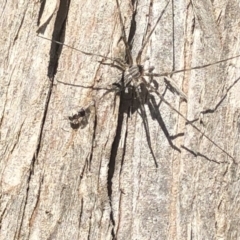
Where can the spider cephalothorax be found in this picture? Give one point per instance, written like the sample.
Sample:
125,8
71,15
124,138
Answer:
131,77
134,72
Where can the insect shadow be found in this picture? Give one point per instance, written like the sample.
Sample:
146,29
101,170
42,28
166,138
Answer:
135,91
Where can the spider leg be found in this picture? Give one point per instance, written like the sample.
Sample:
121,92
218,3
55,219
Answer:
190,69
121,67
174,88
120,63
187,121
129,56
138,60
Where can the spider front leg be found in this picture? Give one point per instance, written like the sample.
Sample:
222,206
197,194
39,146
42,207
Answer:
174,88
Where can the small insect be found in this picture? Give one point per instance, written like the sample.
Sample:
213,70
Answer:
134,77
77,119
80,118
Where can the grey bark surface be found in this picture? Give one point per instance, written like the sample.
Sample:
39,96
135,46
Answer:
100,181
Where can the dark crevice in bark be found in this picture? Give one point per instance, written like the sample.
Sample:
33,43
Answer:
83,170
90,227
115,147
31,169
132,29
4,210
173,39
54,53
37,201
59,30
19,227
58,35
93,139
80,215
41,11
20,26
123,109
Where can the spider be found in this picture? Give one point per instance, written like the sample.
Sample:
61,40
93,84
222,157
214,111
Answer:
134,73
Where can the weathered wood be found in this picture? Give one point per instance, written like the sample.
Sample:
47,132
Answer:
100,181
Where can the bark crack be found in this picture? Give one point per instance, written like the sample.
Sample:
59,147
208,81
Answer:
59,30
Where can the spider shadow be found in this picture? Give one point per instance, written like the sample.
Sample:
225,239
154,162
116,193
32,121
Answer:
133,101
217,105
210,111
156,114
146,98
198,154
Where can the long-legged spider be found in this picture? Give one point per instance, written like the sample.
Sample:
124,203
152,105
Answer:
134,73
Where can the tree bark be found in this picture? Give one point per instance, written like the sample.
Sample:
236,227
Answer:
118,174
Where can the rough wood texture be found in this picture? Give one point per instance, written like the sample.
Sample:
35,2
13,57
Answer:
101,181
